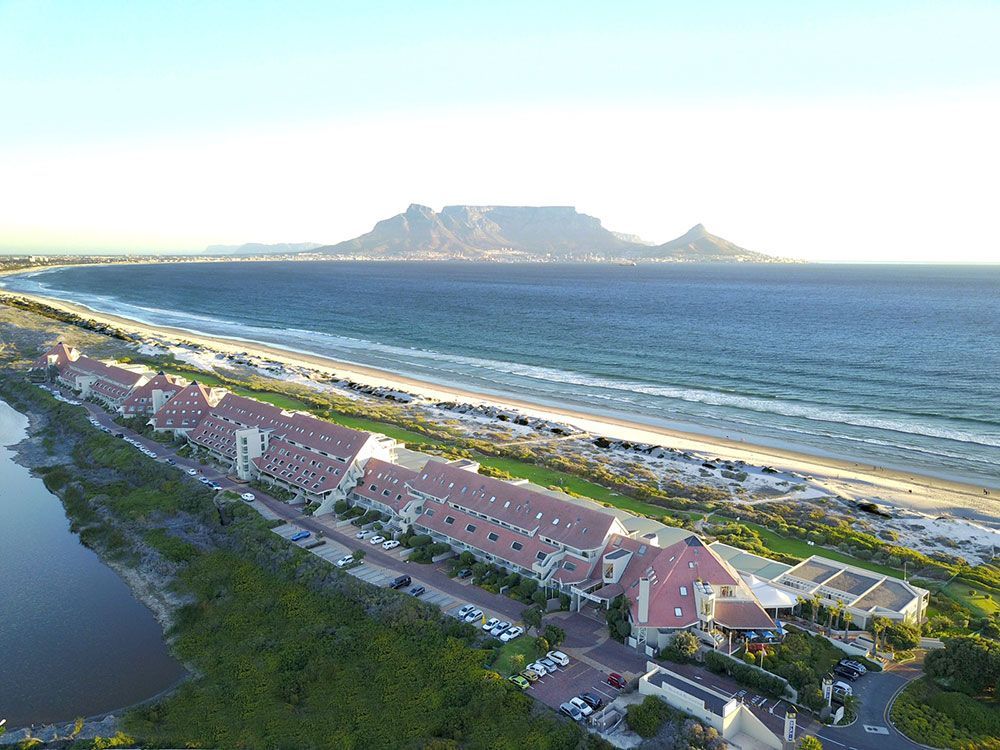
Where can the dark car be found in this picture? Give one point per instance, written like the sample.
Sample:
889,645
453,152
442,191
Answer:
120,434
399,581
594,701
616,680
171,461
847,672
417,590
465,572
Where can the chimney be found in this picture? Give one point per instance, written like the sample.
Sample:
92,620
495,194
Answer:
643,600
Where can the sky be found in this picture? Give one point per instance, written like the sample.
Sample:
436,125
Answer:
854,131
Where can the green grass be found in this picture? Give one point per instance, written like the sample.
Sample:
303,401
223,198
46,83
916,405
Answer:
940,718
800,549
978,604
524,646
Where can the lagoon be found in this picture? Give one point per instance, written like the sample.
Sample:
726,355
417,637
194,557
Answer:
74,641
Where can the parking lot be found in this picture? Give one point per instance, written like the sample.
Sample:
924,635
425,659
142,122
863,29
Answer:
570,681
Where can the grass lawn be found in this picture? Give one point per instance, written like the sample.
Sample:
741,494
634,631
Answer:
984,603
524,646
800,549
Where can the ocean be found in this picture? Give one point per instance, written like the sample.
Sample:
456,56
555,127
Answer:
895,366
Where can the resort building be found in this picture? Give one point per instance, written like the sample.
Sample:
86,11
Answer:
184,411
861,592
685,586
737,722
146,399
526,531
314,459
91,378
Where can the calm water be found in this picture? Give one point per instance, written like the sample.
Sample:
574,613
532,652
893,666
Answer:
73,640
890,365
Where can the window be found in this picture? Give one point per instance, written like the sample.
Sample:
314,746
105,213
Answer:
677,612
555,521
516,545
492,536
684,590
538,516
569,566
691,564
450,520
470,528
429,512
541,555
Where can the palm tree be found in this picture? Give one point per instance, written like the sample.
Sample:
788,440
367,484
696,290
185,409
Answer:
801,602
877,627
838,610
848,617
815,608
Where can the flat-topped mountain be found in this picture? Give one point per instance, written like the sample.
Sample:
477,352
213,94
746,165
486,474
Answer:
524,233
259,248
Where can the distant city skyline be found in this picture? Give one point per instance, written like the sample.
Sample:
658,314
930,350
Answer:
860,132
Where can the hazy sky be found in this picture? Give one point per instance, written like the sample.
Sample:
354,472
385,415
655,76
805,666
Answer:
852,131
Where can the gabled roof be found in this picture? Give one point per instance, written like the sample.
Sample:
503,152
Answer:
300,467
503,543
216,434
538,513
142,395
63,355
186,408
385,483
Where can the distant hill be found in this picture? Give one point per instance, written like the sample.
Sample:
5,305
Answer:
257,248
524,233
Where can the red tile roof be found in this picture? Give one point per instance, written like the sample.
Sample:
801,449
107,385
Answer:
385,483
300,467
216,434
186,409
742,615
563,521
62,353
111,374
140,400
435,517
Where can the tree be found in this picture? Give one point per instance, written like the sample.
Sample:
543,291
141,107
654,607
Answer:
358,554
532,617
517,662
901,636
685,643
815,608
554,634
969,663
848,619
647,717
801,603
810,743
877,627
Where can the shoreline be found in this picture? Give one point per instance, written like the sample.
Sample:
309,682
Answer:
848,479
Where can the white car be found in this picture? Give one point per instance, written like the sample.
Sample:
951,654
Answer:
192,473
362,535
248,496
842,688
497,629
540,669
390,544
465,610
511,634
559,658
345,561
581,706
491,623
474,615
376,540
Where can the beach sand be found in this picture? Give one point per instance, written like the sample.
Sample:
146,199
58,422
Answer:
854,481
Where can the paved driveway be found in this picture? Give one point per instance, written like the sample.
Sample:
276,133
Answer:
570,681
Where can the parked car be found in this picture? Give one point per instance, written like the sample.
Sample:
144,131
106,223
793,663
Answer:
474,615
399,582
215,486
549,664
530,675
559,658
465,610
345,561
300,535
847,673
519,681
855,665
498,627
171,461
376,540
842,689
192,473
593,700
363,534
509,635
390,544
417,591
571,711
465,572
248,496
617,681
581,706
491,623
538,668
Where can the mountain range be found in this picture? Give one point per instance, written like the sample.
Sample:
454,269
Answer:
520,233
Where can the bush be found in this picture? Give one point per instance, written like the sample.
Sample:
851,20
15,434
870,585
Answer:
744,674
647,717
901,637
932,716
419,540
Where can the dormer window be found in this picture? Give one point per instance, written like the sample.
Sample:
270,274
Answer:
684,590
678,612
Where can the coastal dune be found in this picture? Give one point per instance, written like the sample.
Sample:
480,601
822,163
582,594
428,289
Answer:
849,480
